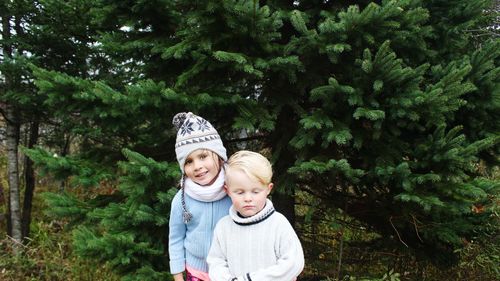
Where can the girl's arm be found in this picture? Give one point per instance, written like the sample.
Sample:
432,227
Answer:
177,234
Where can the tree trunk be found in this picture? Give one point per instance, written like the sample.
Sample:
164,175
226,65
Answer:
2,202
64,152
284,196
13,175
285,204
12,142
29,172
29,177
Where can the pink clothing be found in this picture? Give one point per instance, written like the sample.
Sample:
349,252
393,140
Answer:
196,275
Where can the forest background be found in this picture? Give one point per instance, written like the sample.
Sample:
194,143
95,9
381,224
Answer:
381,119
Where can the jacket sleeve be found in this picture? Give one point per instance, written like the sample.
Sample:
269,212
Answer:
218,268
177,235
290,258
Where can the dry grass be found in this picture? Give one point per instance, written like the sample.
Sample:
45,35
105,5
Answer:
47,254
321,237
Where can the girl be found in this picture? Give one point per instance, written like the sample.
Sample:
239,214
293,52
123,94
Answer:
201,202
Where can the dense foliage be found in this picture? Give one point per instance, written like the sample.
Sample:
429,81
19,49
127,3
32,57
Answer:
388,110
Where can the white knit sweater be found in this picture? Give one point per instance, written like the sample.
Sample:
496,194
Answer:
263,247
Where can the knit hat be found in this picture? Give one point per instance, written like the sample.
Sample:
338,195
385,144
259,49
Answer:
194,133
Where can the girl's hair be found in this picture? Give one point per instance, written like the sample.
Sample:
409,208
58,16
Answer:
253,164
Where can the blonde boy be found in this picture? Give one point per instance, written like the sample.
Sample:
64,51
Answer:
254,242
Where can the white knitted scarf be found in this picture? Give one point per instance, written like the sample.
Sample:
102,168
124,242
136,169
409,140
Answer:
266,212
206,193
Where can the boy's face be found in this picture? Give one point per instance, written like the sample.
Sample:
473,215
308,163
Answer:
202,166
248,195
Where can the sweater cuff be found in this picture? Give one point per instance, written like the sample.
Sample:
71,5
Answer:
177,266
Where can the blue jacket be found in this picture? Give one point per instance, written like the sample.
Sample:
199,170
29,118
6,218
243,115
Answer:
189,243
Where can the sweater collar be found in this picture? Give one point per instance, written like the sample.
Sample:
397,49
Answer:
265,213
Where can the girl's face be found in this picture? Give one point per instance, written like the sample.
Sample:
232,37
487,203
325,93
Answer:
202,166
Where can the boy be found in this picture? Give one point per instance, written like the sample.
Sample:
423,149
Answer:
254,242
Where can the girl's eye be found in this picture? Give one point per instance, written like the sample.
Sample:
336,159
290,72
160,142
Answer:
189,161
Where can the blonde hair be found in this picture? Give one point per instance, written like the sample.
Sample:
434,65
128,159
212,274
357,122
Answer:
253,164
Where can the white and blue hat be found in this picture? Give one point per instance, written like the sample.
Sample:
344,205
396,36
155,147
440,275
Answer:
194,133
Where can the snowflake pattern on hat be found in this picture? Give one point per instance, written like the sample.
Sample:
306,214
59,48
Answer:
203,124
193,129
187,128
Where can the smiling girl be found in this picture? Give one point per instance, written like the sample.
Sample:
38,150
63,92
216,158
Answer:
201,202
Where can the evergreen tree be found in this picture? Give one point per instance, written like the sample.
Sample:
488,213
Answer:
136,116
136,229
383,109
51,34
385,133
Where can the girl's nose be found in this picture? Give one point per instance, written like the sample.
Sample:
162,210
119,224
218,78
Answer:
197,164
